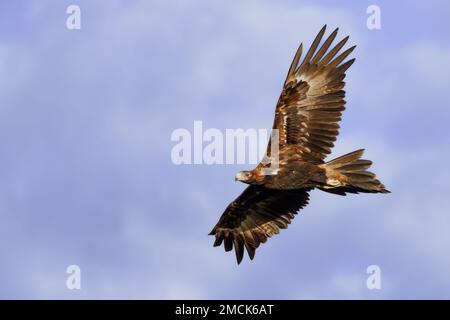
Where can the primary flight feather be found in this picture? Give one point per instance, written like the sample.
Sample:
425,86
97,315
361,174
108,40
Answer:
306,119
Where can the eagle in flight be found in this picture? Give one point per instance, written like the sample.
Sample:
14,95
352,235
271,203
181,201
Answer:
306,119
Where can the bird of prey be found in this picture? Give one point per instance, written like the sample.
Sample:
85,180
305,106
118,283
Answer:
306,117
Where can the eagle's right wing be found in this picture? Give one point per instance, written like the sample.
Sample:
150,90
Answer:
256,215
312,99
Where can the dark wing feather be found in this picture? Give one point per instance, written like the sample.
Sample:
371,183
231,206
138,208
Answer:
312,99
256,215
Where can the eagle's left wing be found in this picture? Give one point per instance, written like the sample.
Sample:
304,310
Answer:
256,215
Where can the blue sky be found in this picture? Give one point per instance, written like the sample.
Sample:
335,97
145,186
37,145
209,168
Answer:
86,176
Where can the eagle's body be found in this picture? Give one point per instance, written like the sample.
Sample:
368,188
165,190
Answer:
306,119
293,173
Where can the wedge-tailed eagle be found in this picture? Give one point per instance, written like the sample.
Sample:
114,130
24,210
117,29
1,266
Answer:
306,116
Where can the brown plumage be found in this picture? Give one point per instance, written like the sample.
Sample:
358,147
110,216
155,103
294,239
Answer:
306,117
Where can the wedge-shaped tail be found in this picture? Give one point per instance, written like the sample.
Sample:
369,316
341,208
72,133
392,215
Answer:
349,174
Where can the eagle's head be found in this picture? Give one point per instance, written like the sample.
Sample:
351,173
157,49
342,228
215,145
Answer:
245,176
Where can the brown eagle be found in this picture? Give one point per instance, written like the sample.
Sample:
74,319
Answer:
306,117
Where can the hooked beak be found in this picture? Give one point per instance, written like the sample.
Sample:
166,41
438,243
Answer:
239,177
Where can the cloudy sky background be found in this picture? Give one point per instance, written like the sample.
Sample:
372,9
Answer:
86,176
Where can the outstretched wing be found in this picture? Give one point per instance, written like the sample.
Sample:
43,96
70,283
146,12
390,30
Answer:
312,99
256,215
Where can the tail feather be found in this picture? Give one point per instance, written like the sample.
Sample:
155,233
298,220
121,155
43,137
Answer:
348,174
